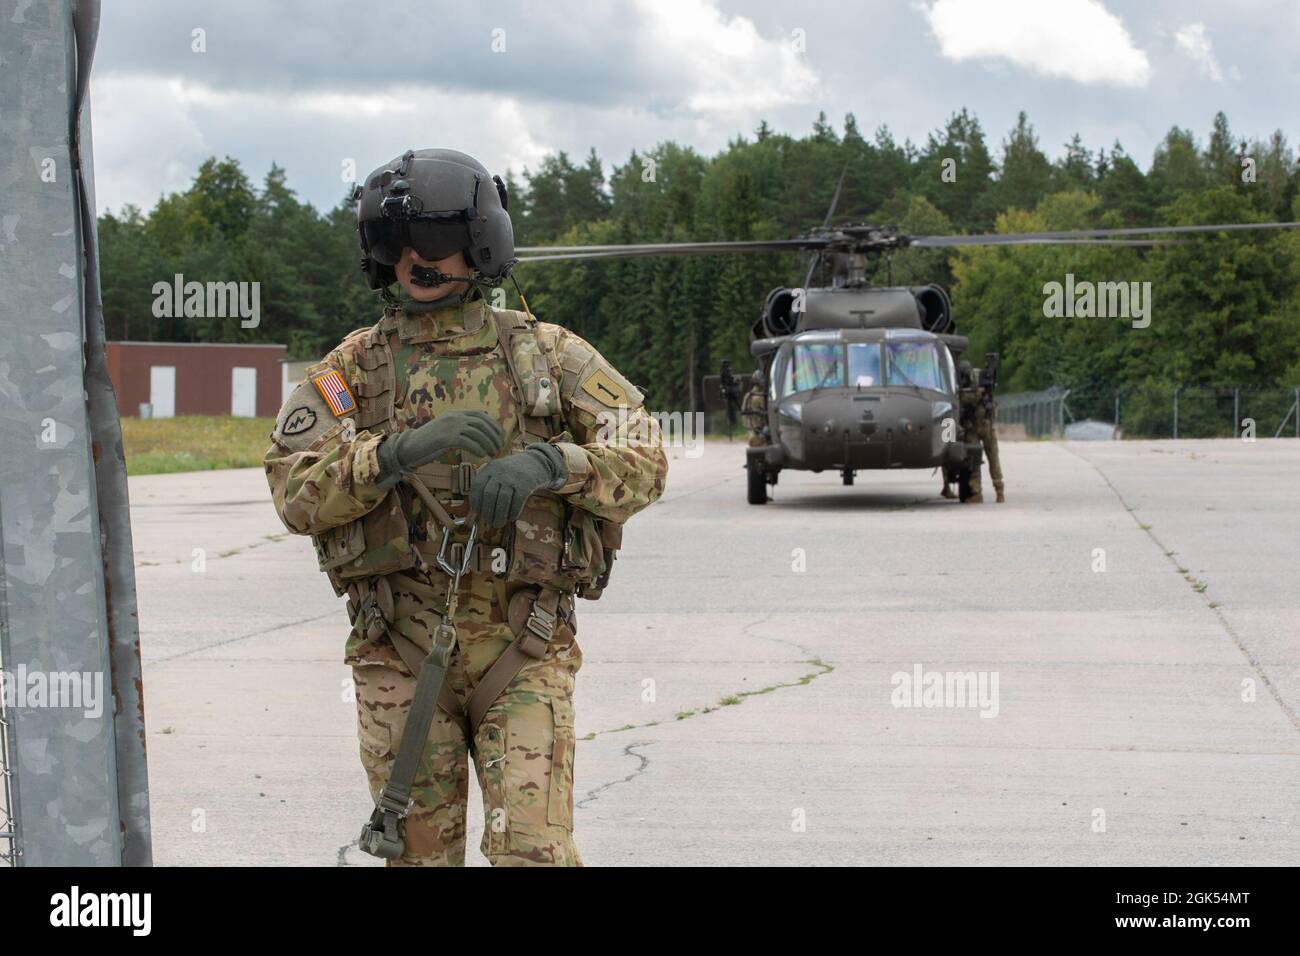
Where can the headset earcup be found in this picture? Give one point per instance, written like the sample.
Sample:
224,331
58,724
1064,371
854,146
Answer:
378,275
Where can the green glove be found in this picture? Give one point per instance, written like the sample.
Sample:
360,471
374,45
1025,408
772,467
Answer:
475,432
501,487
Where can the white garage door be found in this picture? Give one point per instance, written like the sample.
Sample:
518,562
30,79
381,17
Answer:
162,390
243,392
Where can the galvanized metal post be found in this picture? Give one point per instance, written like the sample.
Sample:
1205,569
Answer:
67,587
1117,408
1236,412
1176,391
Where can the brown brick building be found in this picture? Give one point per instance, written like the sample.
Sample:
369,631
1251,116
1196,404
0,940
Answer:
197,378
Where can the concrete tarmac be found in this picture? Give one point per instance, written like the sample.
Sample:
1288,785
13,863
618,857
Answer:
1127,623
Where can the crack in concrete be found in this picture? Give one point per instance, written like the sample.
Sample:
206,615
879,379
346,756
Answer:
1199,587
640,769
272,538
730,700
243,637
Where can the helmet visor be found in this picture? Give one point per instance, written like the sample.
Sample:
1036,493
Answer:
385,240
434,239
434,236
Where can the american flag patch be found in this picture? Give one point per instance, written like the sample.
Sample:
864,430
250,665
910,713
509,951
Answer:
335,392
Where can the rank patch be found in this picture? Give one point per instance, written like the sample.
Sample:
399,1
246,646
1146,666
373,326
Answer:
335,392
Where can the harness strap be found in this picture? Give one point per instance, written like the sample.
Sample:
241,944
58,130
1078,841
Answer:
530,645
376,610
413,657
382,834
455,479
480,562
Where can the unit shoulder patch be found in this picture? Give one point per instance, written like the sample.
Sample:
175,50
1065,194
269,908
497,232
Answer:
298,420
602,386
304,418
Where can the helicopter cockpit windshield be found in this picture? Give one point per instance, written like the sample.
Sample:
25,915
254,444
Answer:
919,364
814,363
827,361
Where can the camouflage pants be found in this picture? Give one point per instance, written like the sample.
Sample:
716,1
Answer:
986,433
523,750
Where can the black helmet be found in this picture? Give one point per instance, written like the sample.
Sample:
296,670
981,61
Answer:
966,374
438,202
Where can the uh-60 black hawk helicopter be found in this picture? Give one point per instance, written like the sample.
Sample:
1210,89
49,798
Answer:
860,377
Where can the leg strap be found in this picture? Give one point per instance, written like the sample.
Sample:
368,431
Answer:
413,657
376,609
535,634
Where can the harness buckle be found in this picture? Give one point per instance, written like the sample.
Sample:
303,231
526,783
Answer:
464,477
537,631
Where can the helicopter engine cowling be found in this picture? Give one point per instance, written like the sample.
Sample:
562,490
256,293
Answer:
936,308
779,316
788,311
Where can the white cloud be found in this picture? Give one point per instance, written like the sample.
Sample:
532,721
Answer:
1194,42
141,154
723,62
632,76
142,151
1078,40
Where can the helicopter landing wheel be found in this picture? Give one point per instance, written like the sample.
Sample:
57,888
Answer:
963,484
848,476
757,477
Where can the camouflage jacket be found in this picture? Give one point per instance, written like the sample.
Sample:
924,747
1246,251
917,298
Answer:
754,408
977,406
322,465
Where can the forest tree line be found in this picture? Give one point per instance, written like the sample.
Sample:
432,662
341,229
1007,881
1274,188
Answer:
1224,308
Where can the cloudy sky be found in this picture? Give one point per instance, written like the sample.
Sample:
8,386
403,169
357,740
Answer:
324,86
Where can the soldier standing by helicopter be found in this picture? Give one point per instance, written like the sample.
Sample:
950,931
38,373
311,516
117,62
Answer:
753,408
455,469
978,424
730,388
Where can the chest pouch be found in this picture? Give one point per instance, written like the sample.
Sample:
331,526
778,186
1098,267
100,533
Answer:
379,542
539,389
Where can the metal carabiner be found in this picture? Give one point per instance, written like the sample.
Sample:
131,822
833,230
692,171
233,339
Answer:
444,562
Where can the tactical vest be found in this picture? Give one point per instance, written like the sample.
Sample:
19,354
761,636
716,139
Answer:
552,544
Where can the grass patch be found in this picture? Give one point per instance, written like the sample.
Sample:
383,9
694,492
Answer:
157,446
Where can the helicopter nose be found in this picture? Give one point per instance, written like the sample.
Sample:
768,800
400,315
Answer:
869,430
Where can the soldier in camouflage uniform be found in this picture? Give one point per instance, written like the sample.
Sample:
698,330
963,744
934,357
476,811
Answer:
449,409
753,409
978,424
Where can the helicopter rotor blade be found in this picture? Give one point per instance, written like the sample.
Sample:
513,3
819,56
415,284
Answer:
559,253
1075,235
830,239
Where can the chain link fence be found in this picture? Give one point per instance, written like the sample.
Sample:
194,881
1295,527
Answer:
1040,414
1154,411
